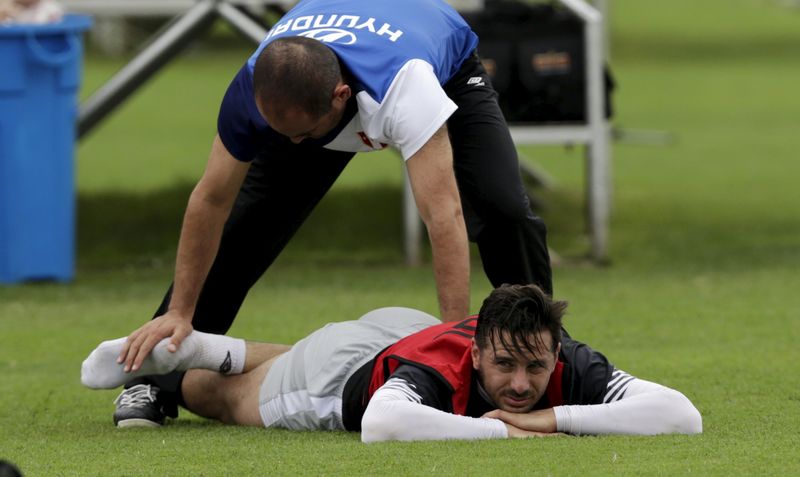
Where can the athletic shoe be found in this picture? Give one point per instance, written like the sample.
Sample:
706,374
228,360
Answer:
137,407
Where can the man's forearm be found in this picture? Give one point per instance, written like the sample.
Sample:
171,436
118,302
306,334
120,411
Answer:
208,210
451,266
436,193
647,409
197,248
391,416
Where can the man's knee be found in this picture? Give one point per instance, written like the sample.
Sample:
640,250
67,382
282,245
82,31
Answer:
495,195
501,207
242,394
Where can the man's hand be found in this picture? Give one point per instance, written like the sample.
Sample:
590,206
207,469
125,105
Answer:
516,433
142,341
534,423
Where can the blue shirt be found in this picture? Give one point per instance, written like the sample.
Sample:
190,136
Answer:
424,42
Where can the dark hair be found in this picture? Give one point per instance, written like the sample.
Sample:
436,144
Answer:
519,313
296,72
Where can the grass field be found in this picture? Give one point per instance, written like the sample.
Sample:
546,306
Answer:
701,293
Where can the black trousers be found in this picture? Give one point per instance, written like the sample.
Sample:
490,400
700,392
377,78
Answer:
283,187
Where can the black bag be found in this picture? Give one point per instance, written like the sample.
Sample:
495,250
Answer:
535,57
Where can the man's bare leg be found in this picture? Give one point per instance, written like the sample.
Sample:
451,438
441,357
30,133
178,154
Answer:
229,399
259,353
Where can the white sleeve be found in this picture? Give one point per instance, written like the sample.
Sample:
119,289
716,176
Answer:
395,413
632,406
414,108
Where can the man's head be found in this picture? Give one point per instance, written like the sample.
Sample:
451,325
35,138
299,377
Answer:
516,345
299,88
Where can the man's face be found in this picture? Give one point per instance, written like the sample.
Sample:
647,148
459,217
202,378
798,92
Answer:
514,381
298,125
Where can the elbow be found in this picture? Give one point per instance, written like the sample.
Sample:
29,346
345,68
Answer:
686,417
375,428
693,421
444,220
204,196
370,430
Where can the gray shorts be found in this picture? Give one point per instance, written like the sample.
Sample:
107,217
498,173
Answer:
303,388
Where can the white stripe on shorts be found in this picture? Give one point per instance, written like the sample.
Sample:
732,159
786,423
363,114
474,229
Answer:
299,402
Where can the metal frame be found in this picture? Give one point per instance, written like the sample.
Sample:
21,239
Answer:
595,134
196,17
156,8
199,15
161,50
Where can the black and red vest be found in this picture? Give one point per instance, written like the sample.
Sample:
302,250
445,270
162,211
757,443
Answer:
445,351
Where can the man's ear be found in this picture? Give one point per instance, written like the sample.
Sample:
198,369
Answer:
341,93
476,354
557,352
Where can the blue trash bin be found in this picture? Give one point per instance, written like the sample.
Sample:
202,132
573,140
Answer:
40,73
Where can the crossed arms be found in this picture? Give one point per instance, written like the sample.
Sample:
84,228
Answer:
396,413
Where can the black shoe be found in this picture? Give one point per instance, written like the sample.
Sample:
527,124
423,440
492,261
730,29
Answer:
137,407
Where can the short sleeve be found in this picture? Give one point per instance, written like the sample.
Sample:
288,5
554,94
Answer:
415,107
240,126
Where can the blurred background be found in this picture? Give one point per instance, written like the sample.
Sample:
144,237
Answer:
705,114
699,290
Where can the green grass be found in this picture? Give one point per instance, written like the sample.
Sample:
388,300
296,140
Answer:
701,293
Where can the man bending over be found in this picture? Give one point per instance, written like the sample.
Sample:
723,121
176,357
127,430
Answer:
400,374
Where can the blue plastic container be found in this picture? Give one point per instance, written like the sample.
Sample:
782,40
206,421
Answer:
40,73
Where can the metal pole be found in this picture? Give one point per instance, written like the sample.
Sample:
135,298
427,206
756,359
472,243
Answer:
598,200
603,6
166,45
599,154
412,237
244,24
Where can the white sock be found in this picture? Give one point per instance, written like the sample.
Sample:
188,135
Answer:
199,350
219,353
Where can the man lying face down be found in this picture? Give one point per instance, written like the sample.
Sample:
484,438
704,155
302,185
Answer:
400,374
